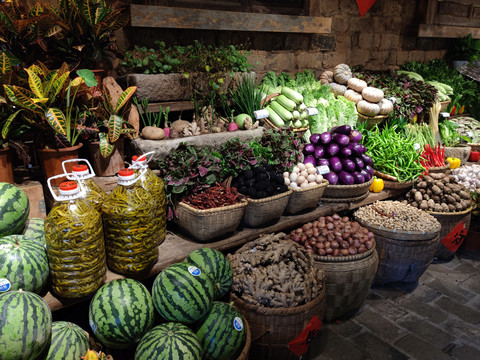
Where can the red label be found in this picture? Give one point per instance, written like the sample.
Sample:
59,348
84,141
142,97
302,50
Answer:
454,239
301,343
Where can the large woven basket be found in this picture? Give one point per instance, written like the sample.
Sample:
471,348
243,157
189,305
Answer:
403,255
205,225
273,328
439,169
474,146
371,120
348,280
244,355
347,191
448,221
263,211
305,198
461,152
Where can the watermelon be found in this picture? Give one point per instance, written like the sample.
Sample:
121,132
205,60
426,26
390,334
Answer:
183,293
69,341
14,209
121,312
23,263
169,341
25,325
216,265
222,332
35,229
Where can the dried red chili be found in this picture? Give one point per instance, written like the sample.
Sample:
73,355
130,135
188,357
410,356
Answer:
212,197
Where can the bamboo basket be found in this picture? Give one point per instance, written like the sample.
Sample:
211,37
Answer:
371,120
474,146
347,191
439,169
205,225
244,355
263,211
448,221
305,198
444,105
461,152
273,328
348,280
391,182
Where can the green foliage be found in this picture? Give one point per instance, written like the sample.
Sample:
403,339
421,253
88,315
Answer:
150,118
466,48
246,97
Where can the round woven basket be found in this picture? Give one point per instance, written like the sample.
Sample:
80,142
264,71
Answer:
263,211
267,124
474,146
347,191
461,152
273,328
206,225
448,222
244,355
444,105
305,198
348,280
371,120
439,169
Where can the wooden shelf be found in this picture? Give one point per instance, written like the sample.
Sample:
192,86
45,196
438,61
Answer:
181,105
177,245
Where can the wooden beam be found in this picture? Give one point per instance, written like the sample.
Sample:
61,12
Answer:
443,31
168,17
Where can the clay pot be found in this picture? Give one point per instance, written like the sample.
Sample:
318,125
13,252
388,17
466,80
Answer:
6,169
108,166
51,161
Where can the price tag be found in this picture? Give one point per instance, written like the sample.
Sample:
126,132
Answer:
299,346
5,285
416,146
445,114
454,238
392,99
322,170
261,114
312,111
469,134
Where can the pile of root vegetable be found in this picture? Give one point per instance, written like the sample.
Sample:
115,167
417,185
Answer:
333,236
439,192
273,271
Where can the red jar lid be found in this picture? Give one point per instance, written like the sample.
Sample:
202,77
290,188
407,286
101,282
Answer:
68,185
126,172
79,168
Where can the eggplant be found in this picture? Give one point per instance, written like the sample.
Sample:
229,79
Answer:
309,149
322,162
315,139
369,169
362,148
319,152
332,178
365,175
345,178
325,138
356,149
340,139
358,178
335,164
348,165
359,163
367,160
345,152
309,159
355,136
343,129
332,149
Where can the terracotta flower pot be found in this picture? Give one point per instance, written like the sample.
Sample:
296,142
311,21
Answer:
51,161
6,169
107,166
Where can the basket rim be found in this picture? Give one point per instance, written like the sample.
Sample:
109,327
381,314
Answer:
270,198
342,259
444,167
324,183
293,129
242,203
345,200
396,231
452,213
355,186
376,117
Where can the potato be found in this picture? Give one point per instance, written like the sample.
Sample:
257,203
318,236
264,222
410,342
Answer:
179,125
152,133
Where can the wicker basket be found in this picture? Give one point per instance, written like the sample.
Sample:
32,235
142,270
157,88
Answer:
474,147
205,225
347,191
444,105
305,198
371,120
448,222
263,211
348,280
273,328
461,152
244,355
439,169
403,255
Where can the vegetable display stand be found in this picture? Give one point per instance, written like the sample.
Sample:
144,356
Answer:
273,328
348,280
209,224
346,193
461,152
371,120
449,221
305,198
260,212
403,255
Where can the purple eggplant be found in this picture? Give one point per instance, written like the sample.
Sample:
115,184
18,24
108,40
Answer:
345,152
369,169
363,149
319,152
332,149
343,129
322,162
355,136
358,178
365,175
325,138
359,163
335,164
310,159
340,139
344,178
315,139
348,165
332,178
309,149
356,149
367,160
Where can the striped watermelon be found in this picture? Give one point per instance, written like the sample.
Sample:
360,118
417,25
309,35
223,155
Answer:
222,333
182,292
69,341
121,312
216,265
14,209
23,263
25,325
169,341
35,229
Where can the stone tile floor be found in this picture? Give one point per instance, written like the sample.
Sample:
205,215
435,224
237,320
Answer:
437,318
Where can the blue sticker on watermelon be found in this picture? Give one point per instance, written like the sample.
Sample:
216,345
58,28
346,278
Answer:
92,325
5,285
238,323
194,270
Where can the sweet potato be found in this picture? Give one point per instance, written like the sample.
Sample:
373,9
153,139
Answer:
152,133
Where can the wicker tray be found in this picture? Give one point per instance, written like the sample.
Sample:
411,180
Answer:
346,200
387,184
347,191
399,234
205,225
263,211
371,120
305,198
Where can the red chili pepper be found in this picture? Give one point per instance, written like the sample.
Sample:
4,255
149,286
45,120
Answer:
212,197
452,112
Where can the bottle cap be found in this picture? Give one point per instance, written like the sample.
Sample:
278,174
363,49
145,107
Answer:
68,188
126,177
80,170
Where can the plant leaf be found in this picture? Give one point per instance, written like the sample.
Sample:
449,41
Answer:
58,85
106,148
35,83
88,76
89,11
5,64
114,128
57,121
22,97
6,126
124,98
